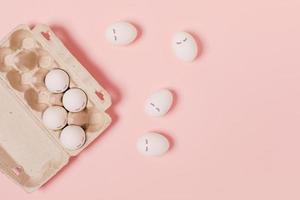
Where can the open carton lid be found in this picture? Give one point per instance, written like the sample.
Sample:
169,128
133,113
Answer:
27,154
30,154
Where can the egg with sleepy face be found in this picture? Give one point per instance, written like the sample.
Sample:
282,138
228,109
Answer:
152,144
184,46
121,33
55,117
75,100
159,103
57,81
72,137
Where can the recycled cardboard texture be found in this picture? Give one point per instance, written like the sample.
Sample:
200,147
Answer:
30,154
27,155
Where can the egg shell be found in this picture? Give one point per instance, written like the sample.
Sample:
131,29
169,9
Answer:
75,100
121,33
57,81
72,137
55,117
184,46
159,103
152,144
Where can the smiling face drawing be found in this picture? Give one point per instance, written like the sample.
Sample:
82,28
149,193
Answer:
121,33
159,103
152,144
184,46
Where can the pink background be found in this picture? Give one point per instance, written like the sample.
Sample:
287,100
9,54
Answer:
235,125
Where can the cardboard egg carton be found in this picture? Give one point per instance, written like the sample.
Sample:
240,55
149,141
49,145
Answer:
30,154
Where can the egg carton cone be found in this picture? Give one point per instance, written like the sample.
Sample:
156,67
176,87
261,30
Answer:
30,153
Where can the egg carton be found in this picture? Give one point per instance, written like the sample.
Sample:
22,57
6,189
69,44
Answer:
31,154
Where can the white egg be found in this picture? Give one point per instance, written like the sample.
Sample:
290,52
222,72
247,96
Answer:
159,103
57,81
72,137
75,100
55,117
152,144
121,33
184,46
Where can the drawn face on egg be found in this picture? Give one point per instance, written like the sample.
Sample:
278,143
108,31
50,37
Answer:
72,137
152,144
159,103
121,33
74,100
55,117
57,81
184,46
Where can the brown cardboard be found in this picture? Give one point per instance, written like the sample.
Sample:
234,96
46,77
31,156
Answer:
30,154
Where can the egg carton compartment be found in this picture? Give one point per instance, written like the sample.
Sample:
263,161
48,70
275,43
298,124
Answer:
26,57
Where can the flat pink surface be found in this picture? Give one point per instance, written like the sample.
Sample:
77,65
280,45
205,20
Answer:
235,125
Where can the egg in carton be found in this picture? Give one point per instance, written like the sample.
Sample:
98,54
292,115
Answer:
30,152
